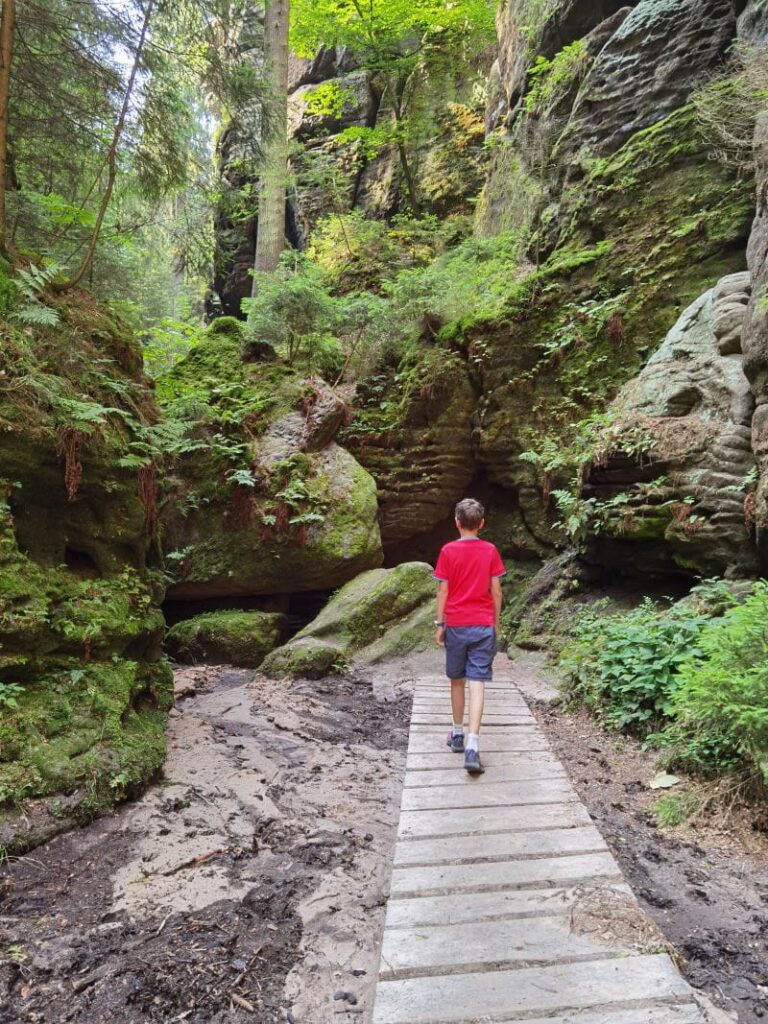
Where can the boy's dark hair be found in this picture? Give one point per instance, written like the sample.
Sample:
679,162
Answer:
470,513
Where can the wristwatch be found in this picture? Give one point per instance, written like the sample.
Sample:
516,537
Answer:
439,625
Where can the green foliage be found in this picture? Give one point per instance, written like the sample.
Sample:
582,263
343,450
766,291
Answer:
9,695
386,32
720,707
407,45
692,678
355,252
626,668
166,342
672,809
329,99
295,313
550,80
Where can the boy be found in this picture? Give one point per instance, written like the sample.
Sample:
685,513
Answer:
468,572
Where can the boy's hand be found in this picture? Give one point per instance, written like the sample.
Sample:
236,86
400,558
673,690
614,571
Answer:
440,636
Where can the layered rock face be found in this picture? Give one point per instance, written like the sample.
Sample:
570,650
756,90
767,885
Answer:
422,461
264,501
644,71
756,333
673,484
84,690
632,219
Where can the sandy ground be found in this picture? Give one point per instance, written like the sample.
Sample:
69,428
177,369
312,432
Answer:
248,885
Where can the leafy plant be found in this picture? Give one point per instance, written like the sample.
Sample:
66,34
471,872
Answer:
295,313
720,705
626,668
31,284
549,80
9,695
672,809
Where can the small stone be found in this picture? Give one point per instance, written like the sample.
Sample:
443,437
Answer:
664,781
344,997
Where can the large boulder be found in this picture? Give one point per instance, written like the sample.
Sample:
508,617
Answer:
672,486
382,614
84,689
227,637
261,500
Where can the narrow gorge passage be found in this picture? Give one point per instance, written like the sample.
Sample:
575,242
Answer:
290,292
251,882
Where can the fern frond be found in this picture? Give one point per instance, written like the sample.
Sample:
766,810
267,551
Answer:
37,315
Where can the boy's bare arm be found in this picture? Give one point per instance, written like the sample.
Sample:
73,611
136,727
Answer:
496,595
442,597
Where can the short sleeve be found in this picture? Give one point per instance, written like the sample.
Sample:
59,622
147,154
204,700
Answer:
497,566
441,569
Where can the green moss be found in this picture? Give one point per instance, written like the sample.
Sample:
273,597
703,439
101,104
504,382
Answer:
226,326
85,711
307,658
227,637
80,627
240,523
650,228
380,614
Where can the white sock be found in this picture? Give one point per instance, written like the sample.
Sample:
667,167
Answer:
458,729
473,743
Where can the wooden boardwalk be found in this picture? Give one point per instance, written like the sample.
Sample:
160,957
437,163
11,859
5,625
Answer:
506,904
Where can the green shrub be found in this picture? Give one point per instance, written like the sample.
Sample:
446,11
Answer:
720,706
672,809
625,668
294,312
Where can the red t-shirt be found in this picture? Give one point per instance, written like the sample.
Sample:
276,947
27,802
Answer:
467,566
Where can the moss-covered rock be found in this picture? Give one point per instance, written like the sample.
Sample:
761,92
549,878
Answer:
381,614
652,227
672,484
227,637
261,500
84,689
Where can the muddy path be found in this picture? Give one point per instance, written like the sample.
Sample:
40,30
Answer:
247,885
706,887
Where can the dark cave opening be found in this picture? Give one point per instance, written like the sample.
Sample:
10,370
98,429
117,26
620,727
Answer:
301,607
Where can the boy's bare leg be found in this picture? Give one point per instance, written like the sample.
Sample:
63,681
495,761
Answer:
476,704
457,700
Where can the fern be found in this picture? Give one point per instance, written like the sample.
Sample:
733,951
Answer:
31,283
35,314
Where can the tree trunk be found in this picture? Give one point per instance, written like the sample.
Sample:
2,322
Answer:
111,159
399,110
270,239
6,56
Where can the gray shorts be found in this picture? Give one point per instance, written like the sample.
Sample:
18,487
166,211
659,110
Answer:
469,652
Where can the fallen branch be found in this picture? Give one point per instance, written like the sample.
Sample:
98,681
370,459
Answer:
193,862
242,1003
